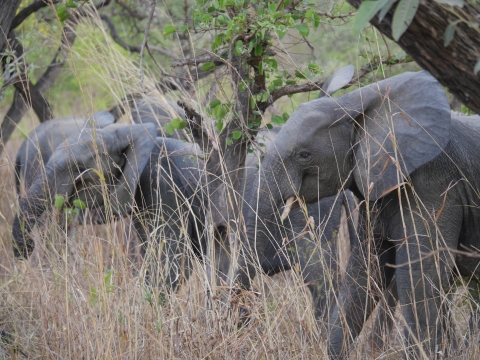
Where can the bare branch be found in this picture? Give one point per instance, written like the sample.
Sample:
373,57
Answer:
336,16
131,11
131,48
144,42
210,57
314,86
29,10
200,135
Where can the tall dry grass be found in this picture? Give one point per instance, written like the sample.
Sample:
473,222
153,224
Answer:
83,293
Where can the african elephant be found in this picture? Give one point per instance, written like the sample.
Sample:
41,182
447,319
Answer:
75,169
39,145
416,173
160,179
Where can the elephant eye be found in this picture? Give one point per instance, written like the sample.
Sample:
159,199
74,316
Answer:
304,154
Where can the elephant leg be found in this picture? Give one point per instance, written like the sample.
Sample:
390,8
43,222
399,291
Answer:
367,276
423,272
319,267
383,323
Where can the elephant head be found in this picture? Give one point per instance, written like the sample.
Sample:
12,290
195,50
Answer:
368,141
80,167
39,145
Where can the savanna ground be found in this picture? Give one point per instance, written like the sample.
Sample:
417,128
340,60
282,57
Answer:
83,295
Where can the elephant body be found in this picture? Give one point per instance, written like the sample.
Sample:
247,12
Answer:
171,206
416,173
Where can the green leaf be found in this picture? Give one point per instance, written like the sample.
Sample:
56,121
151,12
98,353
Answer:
229,141
314,68
169,129
404,14
458,3
366,12
208,66
316,20
237,134
79,204
303,30
476,69
449,33
285,116
176,123
59,201
278,120
269,126
169,29
258,50
281,31
220,111
299,75
214,103
71,4
309,14
63,13
219,125
239,48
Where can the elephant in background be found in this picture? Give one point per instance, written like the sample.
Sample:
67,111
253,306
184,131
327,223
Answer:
160,181
79,168
39,145
416,174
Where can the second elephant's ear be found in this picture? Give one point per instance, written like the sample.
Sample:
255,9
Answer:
136,142
337,81
401,124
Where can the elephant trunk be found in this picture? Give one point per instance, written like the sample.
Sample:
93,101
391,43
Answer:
267,191
31,208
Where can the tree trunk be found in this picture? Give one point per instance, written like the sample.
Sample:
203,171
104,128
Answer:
8,8
452,65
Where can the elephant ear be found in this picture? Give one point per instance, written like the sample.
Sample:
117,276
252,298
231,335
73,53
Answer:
402,123
103,119
136,142
337,81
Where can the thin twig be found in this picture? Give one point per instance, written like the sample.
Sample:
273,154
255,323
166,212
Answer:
144,42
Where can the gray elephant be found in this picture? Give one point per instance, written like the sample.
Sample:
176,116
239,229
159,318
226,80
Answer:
79,168
160,179
39,145
171,206
416,174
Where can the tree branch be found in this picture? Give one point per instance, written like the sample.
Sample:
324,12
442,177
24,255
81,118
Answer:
131,48
130,11
29,10
337,16
314,86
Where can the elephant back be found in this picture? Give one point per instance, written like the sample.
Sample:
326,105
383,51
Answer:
159,112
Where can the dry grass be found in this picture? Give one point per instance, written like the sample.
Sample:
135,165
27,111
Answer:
82,294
